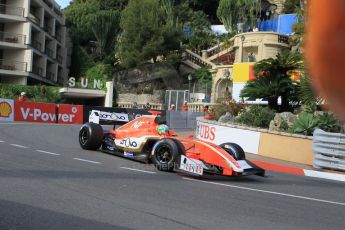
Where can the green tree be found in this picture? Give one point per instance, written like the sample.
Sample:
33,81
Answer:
105,27
78,15
146,33
231,12
113,4
272,79
290,6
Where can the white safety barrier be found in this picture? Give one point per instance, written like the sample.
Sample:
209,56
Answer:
329,150
249,140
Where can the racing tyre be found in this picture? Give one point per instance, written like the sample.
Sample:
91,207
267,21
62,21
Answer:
234,150
164,153
91,136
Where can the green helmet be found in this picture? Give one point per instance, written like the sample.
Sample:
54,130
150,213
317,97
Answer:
163,129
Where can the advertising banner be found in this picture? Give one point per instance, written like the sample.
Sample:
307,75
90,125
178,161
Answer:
34,112
129,114
249,140
70,114
6,110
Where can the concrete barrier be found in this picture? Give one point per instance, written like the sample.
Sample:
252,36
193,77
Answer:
282,146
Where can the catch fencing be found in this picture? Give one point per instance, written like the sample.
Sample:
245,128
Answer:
182,120
329,150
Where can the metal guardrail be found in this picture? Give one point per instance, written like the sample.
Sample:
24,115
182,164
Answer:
329,150
59,58
50,76
49,52
12,10
13,38
37,70
11,65
33,18
48,29
36,44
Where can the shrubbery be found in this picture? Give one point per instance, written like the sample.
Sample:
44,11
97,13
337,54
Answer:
256,116
306,123
38,93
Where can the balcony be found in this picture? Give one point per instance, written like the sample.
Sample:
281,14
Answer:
10,65
37,70
59,58
12,10
48,29
36,44
58,37
49,52
34,19
61,80
13,38
50,76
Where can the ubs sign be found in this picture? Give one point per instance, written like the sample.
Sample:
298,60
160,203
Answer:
84,82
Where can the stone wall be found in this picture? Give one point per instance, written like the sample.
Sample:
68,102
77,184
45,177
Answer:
141,98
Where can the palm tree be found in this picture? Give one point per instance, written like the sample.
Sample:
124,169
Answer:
272,79
231,12
306,92
105,26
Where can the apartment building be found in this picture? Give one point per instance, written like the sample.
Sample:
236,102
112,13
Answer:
32,42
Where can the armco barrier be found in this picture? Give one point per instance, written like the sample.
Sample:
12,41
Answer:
329,150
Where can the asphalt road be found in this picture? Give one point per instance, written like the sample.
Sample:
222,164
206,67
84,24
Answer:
48,182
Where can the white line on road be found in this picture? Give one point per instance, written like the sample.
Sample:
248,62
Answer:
93,162
324,175
42,151
2,141
19,146
266,191
138,170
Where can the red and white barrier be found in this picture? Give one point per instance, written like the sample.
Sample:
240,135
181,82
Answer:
27,111
6,110
249,140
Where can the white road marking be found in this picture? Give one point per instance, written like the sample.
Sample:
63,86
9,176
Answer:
19,146
42,151
2,141
324,175
138,170
93,162
266,191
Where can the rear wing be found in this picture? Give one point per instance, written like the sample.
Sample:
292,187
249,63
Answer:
122,117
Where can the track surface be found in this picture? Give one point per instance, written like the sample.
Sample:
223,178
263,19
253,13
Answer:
48,182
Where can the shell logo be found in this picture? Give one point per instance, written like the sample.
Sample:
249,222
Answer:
5,109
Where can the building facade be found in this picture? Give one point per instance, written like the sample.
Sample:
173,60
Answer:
32,42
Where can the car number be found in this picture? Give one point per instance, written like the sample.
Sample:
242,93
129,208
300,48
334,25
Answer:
191,165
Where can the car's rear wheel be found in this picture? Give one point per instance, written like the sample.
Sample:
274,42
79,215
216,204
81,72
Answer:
234,150
164,153
91,136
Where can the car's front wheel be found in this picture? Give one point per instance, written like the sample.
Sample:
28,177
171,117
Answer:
164,153
234,150
91,136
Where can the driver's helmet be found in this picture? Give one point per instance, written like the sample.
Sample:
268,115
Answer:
163,129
